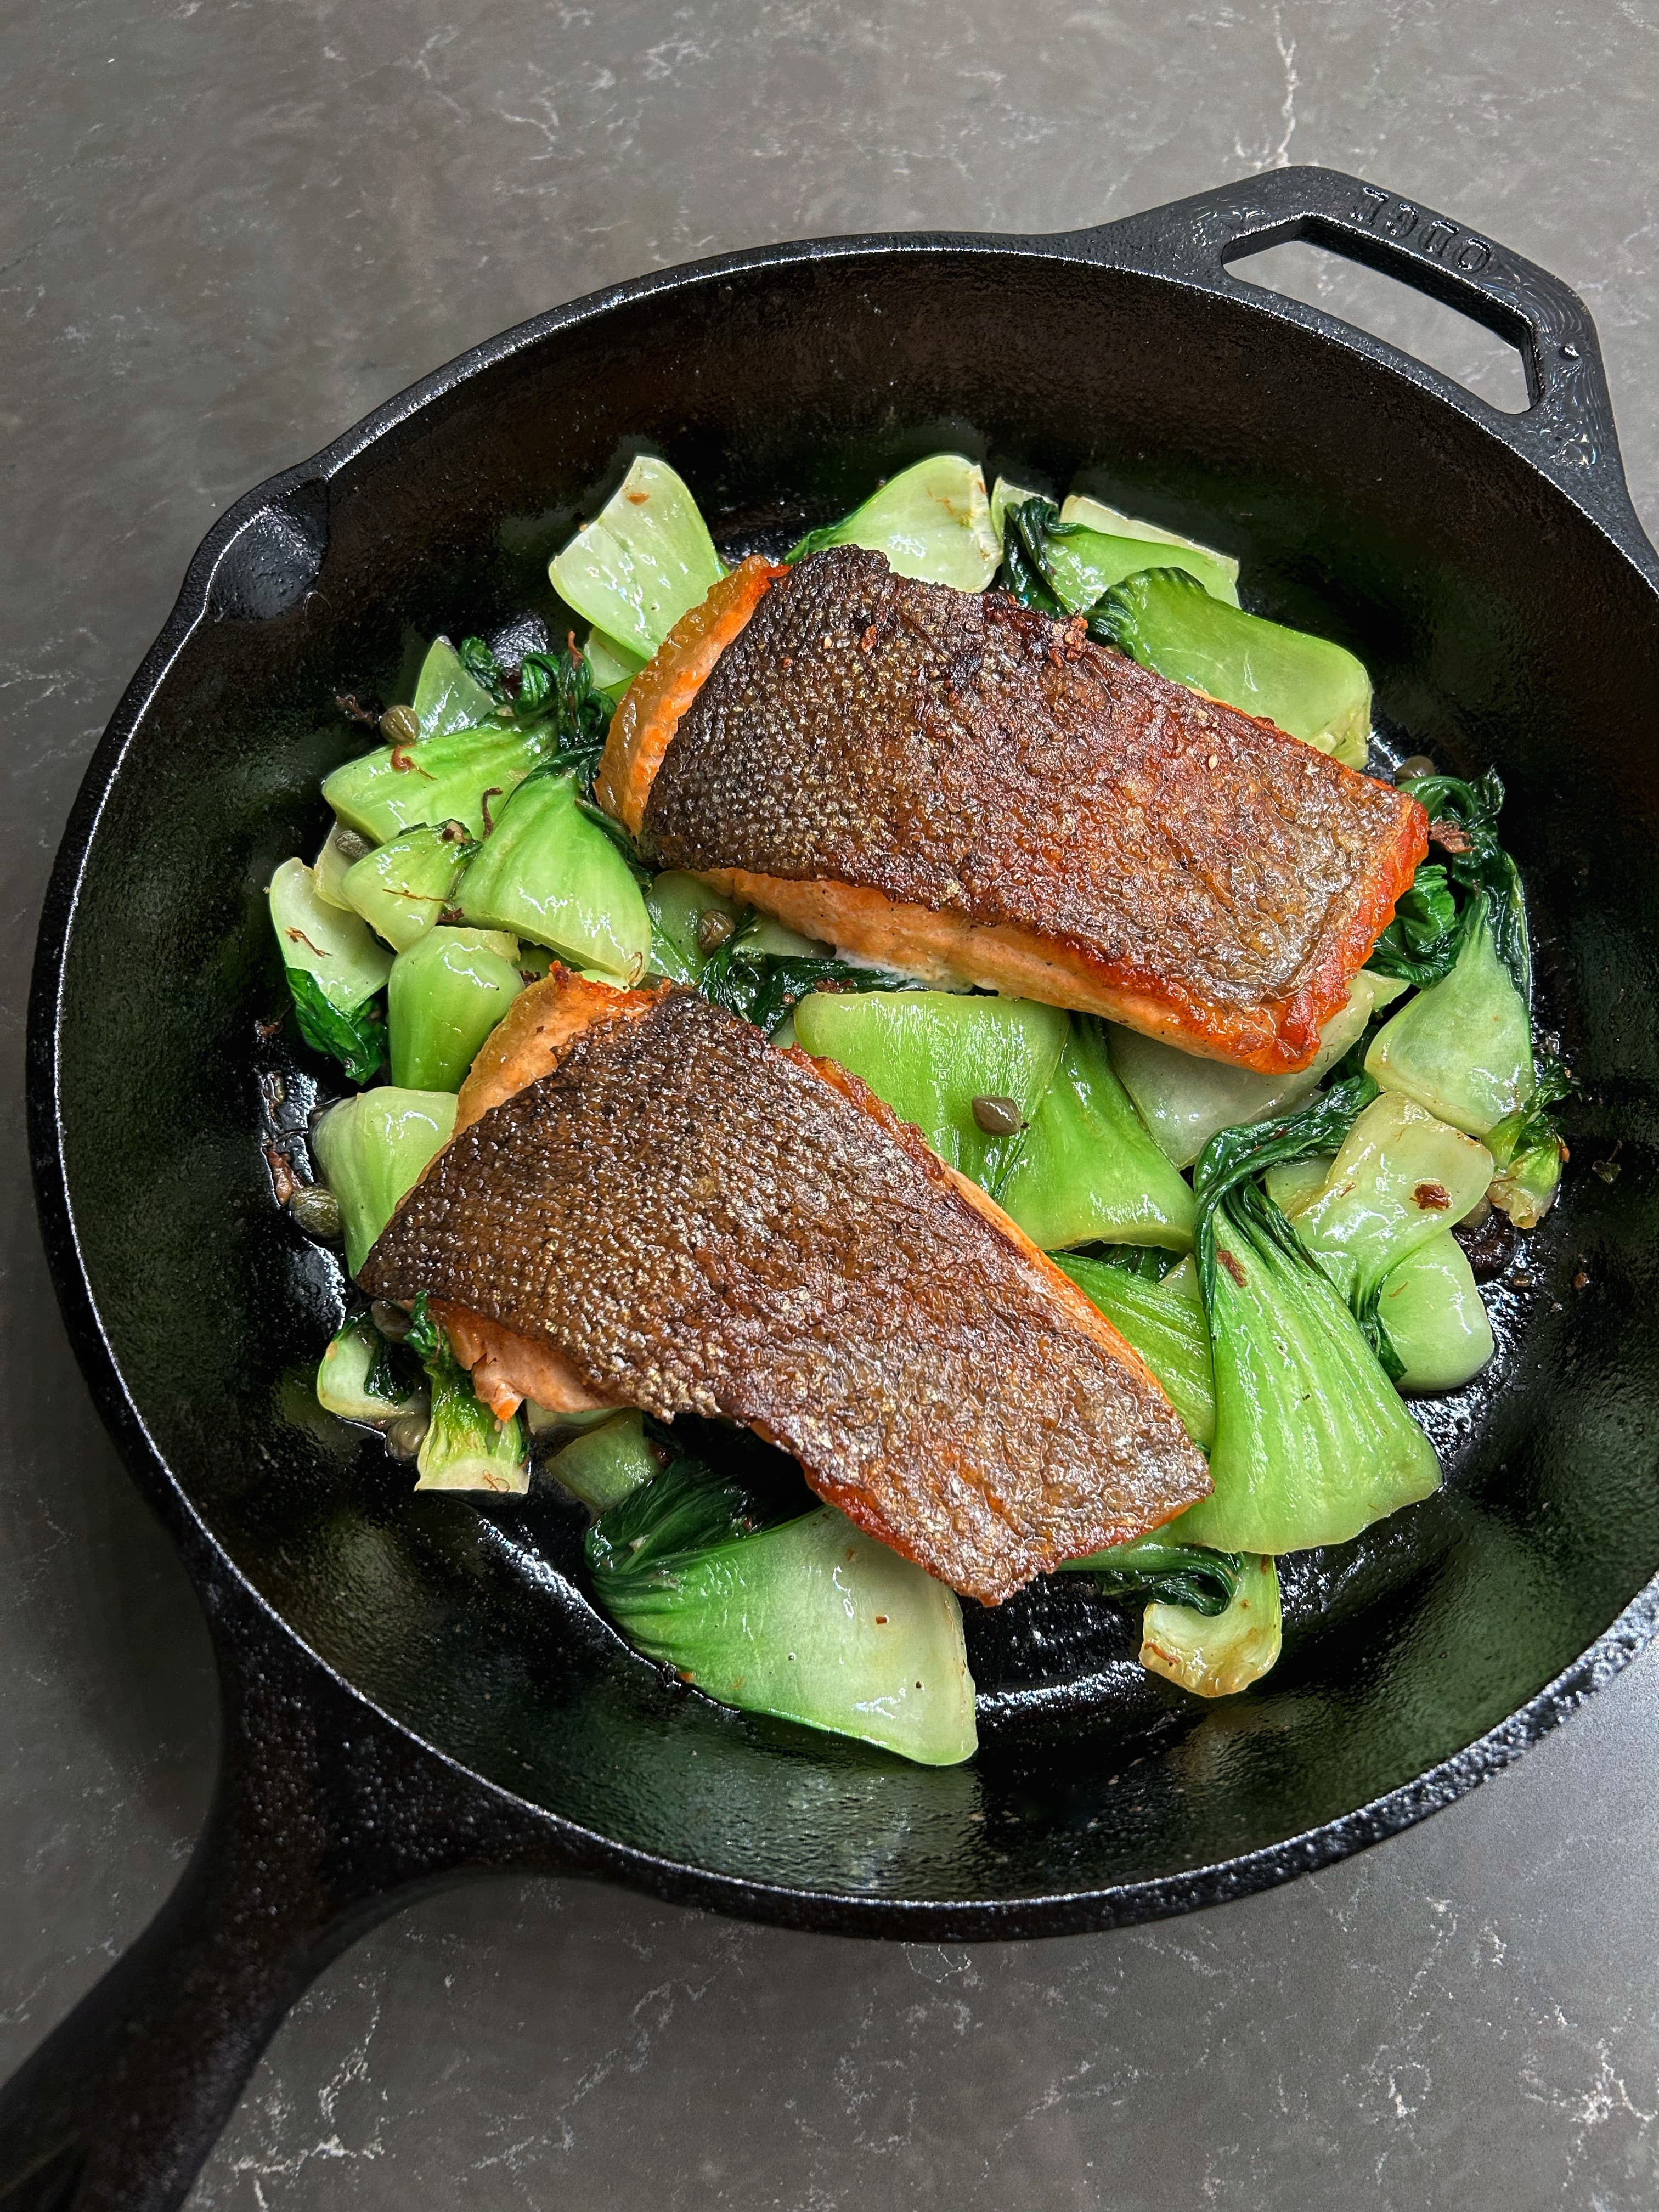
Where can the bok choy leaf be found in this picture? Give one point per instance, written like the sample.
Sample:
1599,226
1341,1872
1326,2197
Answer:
465,1447
1431,1311
373,1148
644,560
335,969
932,521
1217,1655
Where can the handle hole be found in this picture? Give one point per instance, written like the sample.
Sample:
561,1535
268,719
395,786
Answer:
1455,343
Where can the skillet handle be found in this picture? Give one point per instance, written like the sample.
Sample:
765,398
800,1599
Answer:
1567,428
325,1820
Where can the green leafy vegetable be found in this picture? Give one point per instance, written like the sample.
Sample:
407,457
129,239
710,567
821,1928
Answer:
1004,497
465,1447
358,1379
1305,686
1464,815
1311,1443
548,873
1173,1573
448,696
1165,1323
341,848
1088,1172
1527,1149
612,666
1462,1049
679,906
1217,1655
1421,943
1400,1178
808,1620
931,521
373,1148
334,969
929,1054
643,563
401,888
447,992
766,987
1079,565
1185,1101
1112,522
455,777
1431,1311
608,1462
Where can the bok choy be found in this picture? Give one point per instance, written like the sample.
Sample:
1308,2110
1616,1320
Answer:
401,888
335,971
447,994
465,1447
1217,1655
806,1618
548,873
1111,522
373,1149
932,521
644,560
1312,1443
358,1379
1431,1313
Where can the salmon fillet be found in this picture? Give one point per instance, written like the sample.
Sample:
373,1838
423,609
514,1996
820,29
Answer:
952,783
692,1221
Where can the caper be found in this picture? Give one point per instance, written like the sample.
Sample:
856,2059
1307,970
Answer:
714,927
405,1435
1409,770
392,1322
400,726
348,845
998,1116
317,1210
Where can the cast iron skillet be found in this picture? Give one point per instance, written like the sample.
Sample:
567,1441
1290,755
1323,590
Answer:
413,1687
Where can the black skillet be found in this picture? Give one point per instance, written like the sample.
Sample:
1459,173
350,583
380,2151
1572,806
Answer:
414,1688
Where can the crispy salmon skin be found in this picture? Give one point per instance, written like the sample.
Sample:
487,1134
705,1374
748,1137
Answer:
948,781
691,1220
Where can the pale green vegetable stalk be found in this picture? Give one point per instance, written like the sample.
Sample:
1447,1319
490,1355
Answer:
929,1054
1311,1443
1185,1101
1400,1177
373,1149
1305,686
357,1381
608,1462
644,560
1006,495
447,699
402,887
340,851
1088,1172
1462,1049
550,873
1431,1312
447,994
454,777
932,521
612,666
465,1447
335,969
1165,1323
677,904
1112,522
1084,565
811,1619
1217,1655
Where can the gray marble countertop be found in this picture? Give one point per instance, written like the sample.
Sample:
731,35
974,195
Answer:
229,229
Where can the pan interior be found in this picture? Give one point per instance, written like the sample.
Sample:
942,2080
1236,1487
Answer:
1498,627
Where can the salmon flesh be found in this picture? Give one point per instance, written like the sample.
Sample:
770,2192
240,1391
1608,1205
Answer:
951,783
688,1219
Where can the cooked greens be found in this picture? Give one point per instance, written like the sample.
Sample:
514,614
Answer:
448,696
766,986
1463,1047
401,888
608,1462
932,1054
1185,1101
932,521
808,1618
646,559
547,872
1079,565
358,1379
1311,1443
373,1148
458,776
465,1447
1217,1655
335,969
1306,685
1527,1149
1161,1567
1094,515
1431,1314
1088,1172
447,994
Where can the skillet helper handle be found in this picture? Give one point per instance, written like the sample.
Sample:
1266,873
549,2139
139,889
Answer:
325,1820
1568,427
